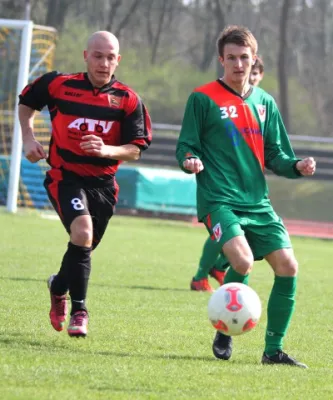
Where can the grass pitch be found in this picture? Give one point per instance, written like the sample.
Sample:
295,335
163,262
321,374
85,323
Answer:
149,337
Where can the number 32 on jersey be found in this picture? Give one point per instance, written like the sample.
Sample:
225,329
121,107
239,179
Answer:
228,112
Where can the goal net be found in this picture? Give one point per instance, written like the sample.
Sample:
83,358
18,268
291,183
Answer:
26,52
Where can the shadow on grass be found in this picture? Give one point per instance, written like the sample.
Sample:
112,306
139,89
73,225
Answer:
19,340
132,287
9,278
139,287
123,390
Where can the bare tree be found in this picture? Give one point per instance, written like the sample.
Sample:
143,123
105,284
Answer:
209,18
162,30
56,13
159,15
113,10
124,18
12,8
281,62
314,58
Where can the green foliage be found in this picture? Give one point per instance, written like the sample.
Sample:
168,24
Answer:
296,199
69,52
165,87
149,335
302,116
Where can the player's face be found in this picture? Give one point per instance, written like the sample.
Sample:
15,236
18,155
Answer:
237,62
102,59
256,77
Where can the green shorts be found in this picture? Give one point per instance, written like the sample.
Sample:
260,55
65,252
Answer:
264,232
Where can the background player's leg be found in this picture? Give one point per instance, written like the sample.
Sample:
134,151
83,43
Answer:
217,224
210,253
220,268
222,264
209,256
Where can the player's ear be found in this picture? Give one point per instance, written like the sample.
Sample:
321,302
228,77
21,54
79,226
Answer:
221,61
118,59
85,55
254,57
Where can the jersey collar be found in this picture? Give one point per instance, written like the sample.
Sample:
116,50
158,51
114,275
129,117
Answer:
233,91
104,87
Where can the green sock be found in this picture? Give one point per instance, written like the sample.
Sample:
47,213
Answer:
210,253
280,308
234,276
222,264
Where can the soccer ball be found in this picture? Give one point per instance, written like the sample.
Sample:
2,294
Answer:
234,308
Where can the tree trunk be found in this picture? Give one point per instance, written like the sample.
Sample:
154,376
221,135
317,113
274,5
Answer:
127,18
157,38
112,14
56,13
282,67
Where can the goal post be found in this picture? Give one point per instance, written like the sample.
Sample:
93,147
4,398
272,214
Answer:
26,28
26,52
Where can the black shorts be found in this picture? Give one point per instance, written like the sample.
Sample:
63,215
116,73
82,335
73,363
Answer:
72,196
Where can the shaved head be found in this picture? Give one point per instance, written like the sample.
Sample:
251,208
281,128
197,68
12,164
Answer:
103,38
102,57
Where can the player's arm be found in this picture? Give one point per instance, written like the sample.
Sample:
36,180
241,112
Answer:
279,155
94,145
188,150
136,134
33,150
35,96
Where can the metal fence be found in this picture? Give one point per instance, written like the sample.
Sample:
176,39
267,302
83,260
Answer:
163,147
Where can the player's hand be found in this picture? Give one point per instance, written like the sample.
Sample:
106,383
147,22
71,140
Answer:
33,151
307,166
94,146
194,165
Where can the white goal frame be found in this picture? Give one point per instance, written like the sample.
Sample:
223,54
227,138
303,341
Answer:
23,75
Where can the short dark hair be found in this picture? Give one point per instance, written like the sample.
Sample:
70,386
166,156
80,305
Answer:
259,64
239,35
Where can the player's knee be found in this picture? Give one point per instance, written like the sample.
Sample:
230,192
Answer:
292,267
243,264
82,237
288,267
82,231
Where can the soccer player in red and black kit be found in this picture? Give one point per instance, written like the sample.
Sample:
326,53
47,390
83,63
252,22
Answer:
97,122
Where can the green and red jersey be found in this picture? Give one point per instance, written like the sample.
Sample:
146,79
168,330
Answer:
236,138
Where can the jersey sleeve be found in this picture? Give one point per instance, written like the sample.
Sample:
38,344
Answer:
279,155
189,143
136,126
36,95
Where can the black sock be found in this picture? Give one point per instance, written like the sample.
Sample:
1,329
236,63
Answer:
59,284
79,266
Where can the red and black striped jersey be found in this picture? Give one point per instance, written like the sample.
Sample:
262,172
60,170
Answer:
114,112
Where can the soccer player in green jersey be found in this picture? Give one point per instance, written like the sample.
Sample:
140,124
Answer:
257,72
212,262
231,132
